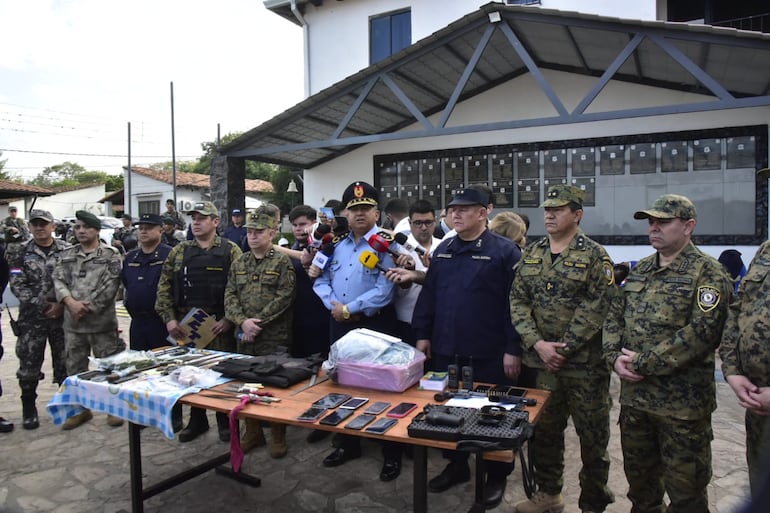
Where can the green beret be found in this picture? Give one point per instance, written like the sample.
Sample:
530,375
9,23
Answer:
88,219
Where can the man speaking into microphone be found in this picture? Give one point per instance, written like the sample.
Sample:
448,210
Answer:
358,297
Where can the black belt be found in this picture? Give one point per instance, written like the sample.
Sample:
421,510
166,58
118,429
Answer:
143,315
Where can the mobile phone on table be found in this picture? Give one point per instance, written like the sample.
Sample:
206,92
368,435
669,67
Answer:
361,421
331,400
335,417
377,408
380,426
354,403
311,414
401,410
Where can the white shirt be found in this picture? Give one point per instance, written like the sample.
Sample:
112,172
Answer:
407,298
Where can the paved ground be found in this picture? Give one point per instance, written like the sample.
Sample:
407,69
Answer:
86,470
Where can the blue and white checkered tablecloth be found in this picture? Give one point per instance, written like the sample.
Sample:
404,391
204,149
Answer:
146,400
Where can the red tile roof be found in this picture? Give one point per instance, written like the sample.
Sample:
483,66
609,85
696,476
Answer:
198,181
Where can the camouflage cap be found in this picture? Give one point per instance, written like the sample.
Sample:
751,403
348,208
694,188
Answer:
669,206
205,208
560,195
260,221
41,214
88,219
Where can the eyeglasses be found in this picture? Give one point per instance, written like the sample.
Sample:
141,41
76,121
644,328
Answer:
422,223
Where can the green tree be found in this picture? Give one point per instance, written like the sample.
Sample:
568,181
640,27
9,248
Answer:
3,174
70,174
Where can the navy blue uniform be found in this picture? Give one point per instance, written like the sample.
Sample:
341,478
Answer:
463,309
141,273
235,233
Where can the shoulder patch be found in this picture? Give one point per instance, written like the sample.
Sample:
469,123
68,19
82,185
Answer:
609,271
533,261
708,298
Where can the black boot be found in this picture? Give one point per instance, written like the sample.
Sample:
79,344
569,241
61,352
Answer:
198,425
28,407
177,422
223,425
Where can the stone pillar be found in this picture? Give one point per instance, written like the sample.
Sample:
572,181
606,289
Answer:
228,186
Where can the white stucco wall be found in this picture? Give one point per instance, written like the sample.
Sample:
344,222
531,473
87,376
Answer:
64,204
338,32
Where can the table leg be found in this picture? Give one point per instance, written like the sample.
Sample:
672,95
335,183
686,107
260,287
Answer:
135,460
420,482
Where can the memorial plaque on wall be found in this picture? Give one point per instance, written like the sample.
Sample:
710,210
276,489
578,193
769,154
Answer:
410,181
588,186
528,165
673,156
478,169
740,153
612,159
502,179
430,169
453,170
583,162
706,154
388,174
555,164
528,193
641,158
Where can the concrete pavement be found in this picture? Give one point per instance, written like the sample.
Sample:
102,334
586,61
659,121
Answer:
87,470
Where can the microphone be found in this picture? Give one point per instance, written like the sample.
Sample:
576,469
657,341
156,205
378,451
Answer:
318,234
403,240
380,245
371,261
321,258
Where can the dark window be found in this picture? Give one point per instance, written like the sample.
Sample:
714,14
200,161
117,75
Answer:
149,207
388,34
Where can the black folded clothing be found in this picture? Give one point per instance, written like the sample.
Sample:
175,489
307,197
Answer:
277,370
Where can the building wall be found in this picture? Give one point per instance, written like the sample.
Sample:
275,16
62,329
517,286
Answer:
338,32
64,204
522,99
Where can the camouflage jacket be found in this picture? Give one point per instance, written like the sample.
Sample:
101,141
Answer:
565,301
263,289
165,304
92,277
22,230
745,348
672,317
179,222
31,273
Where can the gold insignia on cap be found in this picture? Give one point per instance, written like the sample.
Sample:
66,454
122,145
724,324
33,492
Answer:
358,191
708,298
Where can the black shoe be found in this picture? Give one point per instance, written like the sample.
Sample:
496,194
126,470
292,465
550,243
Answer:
223,426
317,435
391,469
30,419
193,430
177,423
342,455
5,426
494,489
453,473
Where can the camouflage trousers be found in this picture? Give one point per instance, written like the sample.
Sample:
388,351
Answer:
587,400
664,454
757,449
35,330
80,345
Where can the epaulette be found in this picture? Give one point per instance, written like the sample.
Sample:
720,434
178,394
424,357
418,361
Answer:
386,235
580,242
338,238
542,242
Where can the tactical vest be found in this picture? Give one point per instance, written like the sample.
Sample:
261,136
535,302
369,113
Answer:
201,281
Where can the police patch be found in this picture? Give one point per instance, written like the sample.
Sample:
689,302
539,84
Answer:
608,272
114,267
708,298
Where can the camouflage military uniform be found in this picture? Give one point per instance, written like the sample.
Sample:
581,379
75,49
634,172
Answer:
32,283
168,303
566,301
263,289
13,237
179,222
745,351
93,277
672,317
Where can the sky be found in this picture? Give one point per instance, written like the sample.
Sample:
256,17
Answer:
74,73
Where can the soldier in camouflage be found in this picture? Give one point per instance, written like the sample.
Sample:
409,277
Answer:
660,337
125,237
559,298
40,314
194,275
15,228
258,299
745,357
173,213
86,281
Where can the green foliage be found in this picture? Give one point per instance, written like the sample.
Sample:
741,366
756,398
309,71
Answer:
69,174
3,174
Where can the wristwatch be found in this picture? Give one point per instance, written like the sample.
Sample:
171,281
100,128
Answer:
345,312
